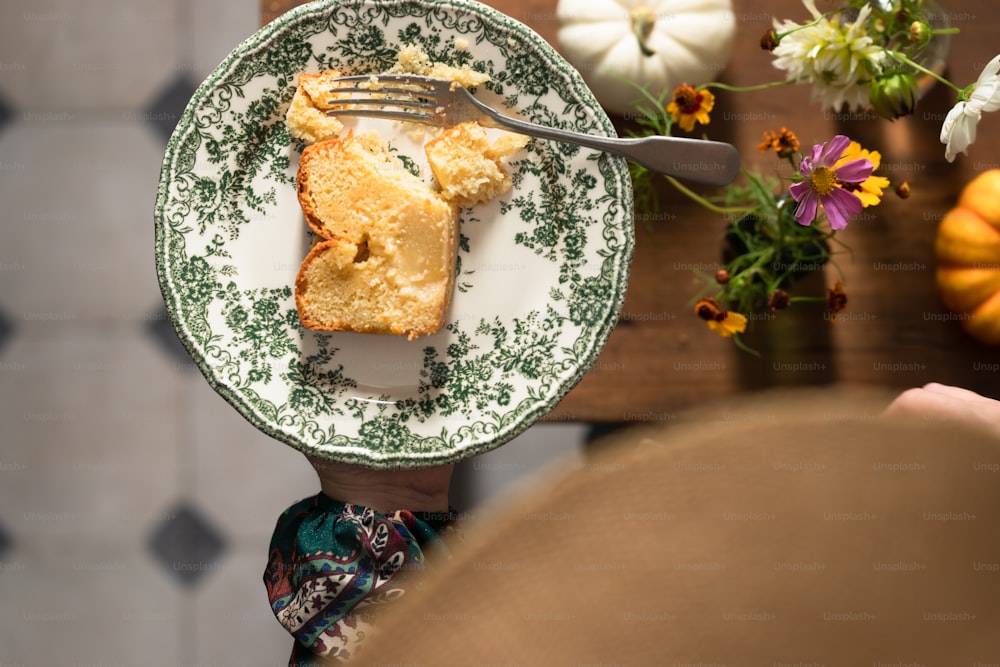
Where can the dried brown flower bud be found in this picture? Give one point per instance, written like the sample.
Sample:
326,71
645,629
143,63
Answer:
708,310
836,298
903,190
722,276
769,41
779,300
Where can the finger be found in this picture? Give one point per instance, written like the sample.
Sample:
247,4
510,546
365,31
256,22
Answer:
956,392
945,403
930,403
986,409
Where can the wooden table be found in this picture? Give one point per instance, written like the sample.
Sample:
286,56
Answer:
661,359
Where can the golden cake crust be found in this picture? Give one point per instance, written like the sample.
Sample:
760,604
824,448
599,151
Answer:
386,263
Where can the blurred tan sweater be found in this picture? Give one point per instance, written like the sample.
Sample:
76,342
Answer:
786,530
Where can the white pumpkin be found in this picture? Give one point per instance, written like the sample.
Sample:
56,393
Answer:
659,44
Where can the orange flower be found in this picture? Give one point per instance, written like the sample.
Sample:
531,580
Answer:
783,142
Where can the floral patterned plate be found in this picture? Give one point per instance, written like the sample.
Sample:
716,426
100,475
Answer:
542,270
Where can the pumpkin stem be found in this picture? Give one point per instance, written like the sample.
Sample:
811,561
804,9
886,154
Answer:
643,21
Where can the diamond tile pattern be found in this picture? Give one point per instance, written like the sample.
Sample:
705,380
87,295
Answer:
166,109
6,329
104,421
6,113
81,252
162,332
186,545
5,542
66,57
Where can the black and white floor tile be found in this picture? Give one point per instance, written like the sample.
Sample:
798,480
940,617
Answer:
135,505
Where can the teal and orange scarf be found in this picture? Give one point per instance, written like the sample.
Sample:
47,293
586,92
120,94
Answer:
333,564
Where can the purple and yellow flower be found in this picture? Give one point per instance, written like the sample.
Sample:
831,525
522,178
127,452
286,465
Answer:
819,187
870,190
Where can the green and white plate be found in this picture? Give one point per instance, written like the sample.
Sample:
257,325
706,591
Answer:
542,270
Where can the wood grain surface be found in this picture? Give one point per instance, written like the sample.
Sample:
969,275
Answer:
895,334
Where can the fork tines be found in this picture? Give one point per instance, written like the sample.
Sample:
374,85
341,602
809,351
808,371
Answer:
376,81
402,97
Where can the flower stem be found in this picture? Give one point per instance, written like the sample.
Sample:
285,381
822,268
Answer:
743,346
745,89
694,196
920,68
814,22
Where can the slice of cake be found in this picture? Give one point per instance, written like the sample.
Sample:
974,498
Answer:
306,118
388,240
468,165
387,262
412,59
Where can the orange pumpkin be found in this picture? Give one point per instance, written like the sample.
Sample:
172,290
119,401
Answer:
968,258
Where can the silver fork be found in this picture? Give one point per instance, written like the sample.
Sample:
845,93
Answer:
420,99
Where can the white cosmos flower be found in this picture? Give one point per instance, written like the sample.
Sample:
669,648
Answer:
837,58
959,129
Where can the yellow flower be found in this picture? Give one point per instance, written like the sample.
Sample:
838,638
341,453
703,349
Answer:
689,106
723,322
731,323
869,191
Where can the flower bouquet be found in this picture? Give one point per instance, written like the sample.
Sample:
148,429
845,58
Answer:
859,56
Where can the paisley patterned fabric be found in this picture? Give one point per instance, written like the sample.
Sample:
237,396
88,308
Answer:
333,564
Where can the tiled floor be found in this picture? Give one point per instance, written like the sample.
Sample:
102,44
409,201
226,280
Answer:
135,505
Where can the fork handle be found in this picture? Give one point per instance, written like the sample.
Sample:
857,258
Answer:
700,161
